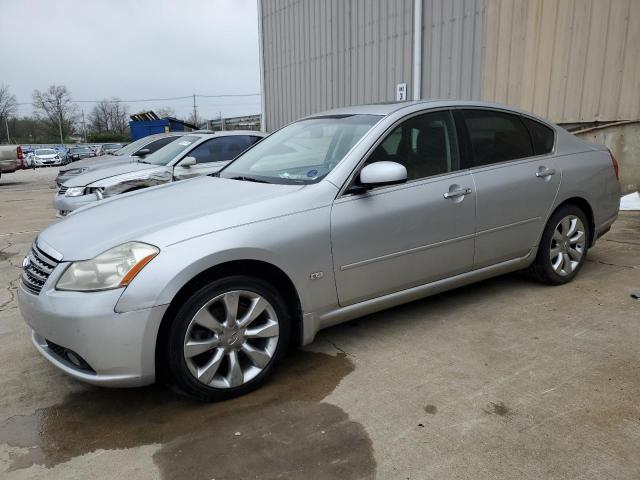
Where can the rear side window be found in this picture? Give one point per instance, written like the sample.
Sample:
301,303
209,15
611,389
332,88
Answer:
158,144
541,136
497,136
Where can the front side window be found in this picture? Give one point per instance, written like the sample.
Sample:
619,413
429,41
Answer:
496,136
302,152
220,149
426,145
158,144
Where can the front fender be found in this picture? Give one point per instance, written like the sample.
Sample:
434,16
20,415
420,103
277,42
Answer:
296,244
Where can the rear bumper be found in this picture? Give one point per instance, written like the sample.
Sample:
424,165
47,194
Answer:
119,348
9,166
603,228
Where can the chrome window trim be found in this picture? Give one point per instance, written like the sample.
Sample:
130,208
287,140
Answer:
519,114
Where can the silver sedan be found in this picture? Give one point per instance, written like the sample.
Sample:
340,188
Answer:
206,282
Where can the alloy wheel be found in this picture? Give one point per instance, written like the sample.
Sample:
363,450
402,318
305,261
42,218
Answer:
231,339
567,245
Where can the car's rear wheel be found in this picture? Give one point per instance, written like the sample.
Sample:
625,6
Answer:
227,337
563,248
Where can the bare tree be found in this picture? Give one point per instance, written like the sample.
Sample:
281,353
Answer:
109,115
194,119
8,108
55,109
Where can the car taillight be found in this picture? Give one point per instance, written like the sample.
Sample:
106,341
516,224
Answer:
614,162
20,155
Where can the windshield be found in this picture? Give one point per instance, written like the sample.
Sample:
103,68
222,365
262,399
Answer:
303,152
81,150
46,151
169,152
127,150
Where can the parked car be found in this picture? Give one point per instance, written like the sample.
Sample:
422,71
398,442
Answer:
11,158
338,215
78,153
191,156
129,154
62,152
46,157
111,148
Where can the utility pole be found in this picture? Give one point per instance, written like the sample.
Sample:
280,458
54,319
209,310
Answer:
84,128
60,129
195,111
6,124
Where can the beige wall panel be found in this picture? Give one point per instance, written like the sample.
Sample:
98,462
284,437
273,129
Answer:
567,60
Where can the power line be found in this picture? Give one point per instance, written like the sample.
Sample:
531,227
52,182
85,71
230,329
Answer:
158,99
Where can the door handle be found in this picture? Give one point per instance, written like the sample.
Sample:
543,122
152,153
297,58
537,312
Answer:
545,172
457,193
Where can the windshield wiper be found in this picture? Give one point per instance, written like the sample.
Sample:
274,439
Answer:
248,179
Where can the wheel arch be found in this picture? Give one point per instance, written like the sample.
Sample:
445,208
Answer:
585,206
255,268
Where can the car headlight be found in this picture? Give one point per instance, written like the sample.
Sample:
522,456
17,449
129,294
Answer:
114,268
74,192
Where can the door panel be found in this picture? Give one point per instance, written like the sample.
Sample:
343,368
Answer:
398,237
513,201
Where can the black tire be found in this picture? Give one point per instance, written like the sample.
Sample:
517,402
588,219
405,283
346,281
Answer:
541,269
178,372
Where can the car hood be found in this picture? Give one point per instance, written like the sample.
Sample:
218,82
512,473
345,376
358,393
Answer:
99,162
95,174
175,212
46,157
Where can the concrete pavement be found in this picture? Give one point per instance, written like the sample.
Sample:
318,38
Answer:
503,379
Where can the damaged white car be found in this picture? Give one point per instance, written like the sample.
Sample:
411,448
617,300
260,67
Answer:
193,155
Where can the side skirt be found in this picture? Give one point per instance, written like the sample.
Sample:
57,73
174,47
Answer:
313,322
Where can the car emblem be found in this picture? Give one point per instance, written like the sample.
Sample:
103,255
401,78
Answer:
26,262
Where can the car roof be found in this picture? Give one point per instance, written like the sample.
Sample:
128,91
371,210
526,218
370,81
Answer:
392,107
228,133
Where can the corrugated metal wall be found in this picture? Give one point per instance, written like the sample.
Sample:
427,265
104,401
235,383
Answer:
567,60
324,54
452,36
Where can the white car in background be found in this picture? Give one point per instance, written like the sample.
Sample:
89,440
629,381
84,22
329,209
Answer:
46,157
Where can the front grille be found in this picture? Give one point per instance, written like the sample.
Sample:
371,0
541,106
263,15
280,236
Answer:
63,190
37,268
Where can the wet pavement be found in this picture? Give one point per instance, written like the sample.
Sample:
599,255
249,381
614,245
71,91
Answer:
503,379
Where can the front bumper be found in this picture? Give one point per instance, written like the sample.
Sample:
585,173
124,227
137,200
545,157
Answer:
119,348
64,204
47,163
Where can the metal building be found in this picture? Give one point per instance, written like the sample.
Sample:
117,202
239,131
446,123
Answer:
572,61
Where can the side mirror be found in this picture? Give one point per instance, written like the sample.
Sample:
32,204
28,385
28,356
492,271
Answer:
188,162
143,152
382,173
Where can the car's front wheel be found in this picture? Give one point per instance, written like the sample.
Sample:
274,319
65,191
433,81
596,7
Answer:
227,337
563,247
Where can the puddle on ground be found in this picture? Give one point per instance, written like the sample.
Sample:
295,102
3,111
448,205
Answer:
6,255
280,430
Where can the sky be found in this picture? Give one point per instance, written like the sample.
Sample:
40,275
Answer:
134,49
